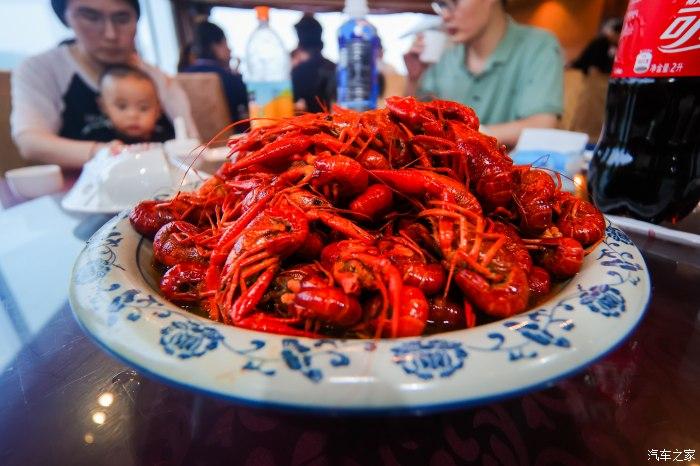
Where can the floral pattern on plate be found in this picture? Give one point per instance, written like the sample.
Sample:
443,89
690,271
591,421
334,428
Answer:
115,302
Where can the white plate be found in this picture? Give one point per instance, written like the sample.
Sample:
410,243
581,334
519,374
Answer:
217,154
114,297
108,186
685,232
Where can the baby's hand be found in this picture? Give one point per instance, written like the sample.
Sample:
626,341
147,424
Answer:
115,147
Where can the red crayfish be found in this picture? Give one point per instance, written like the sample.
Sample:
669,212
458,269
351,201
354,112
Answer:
391,223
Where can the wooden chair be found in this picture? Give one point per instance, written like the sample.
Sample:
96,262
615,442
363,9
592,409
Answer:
590,110
573,82
9,154
208,103
584,102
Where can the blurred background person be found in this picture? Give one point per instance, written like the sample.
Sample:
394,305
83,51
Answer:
131,111
210,53
512,75
600,52
54,94
313,78
297,56
186,57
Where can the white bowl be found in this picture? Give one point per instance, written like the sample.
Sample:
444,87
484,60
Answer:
35,181
134,175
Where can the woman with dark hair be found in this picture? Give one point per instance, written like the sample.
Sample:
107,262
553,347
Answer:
210,53
54,94
600,52
186,57
313,79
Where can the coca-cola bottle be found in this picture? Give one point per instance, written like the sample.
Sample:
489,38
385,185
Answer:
647,161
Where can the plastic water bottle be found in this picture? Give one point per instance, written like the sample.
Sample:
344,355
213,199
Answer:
358,43
267,78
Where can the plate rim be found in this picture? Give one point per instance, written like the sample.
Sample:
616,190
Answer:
366,410
398,410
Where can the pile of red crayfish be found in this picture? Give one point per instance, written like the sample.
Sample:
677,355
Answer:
388,223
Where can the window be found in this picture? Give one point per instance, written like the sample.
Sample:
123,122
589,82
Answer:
155,39
240,23
18,41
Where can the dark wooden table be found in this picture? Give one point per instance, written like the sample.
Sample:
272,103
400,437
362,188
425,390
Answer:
64,401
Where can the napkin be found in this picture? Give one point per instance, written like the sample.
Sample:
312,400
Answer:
556,150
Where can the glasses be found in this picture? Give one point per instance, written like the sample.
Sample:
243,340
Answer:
97,21
443,7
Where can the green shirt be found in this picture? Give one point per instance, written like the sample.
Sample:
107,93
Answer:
522,77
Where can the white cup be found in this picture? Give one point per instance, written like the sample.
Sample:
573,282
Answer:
35,181
135,174
434,44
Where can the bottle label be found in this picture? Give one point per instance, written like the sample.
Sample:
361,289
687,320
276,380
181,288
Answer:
659,39
356,69
269,99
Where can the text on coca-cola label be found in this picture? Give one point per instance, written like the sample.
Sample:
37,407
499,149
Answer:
659,39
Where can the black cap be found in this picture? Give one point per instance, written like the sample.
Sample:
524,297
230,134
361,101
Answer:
309,31
59,7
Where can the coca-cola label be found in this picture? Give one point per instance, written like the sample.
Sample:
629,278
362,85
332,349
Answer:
659,39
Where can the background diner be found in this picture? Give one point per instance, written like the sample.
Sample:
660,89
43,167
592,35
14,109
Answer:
162,37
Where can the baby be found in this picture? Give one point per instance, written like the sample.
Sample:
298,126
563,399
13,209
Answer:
132,113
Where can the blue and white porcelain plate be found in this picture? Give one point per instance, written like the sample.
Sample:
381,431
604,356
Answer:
115,298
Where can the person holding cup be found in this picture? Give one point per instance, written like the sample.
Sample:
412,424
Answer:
512,75
55,94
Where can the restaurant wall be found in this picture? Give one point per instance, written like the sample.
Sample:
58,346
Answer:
574,22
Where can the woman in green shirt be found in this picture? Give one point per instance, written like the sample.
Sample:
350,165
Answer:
512,75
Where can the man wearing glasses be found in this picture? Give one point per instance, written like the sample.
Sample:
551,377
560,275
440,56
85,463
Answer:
54,94
512,75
